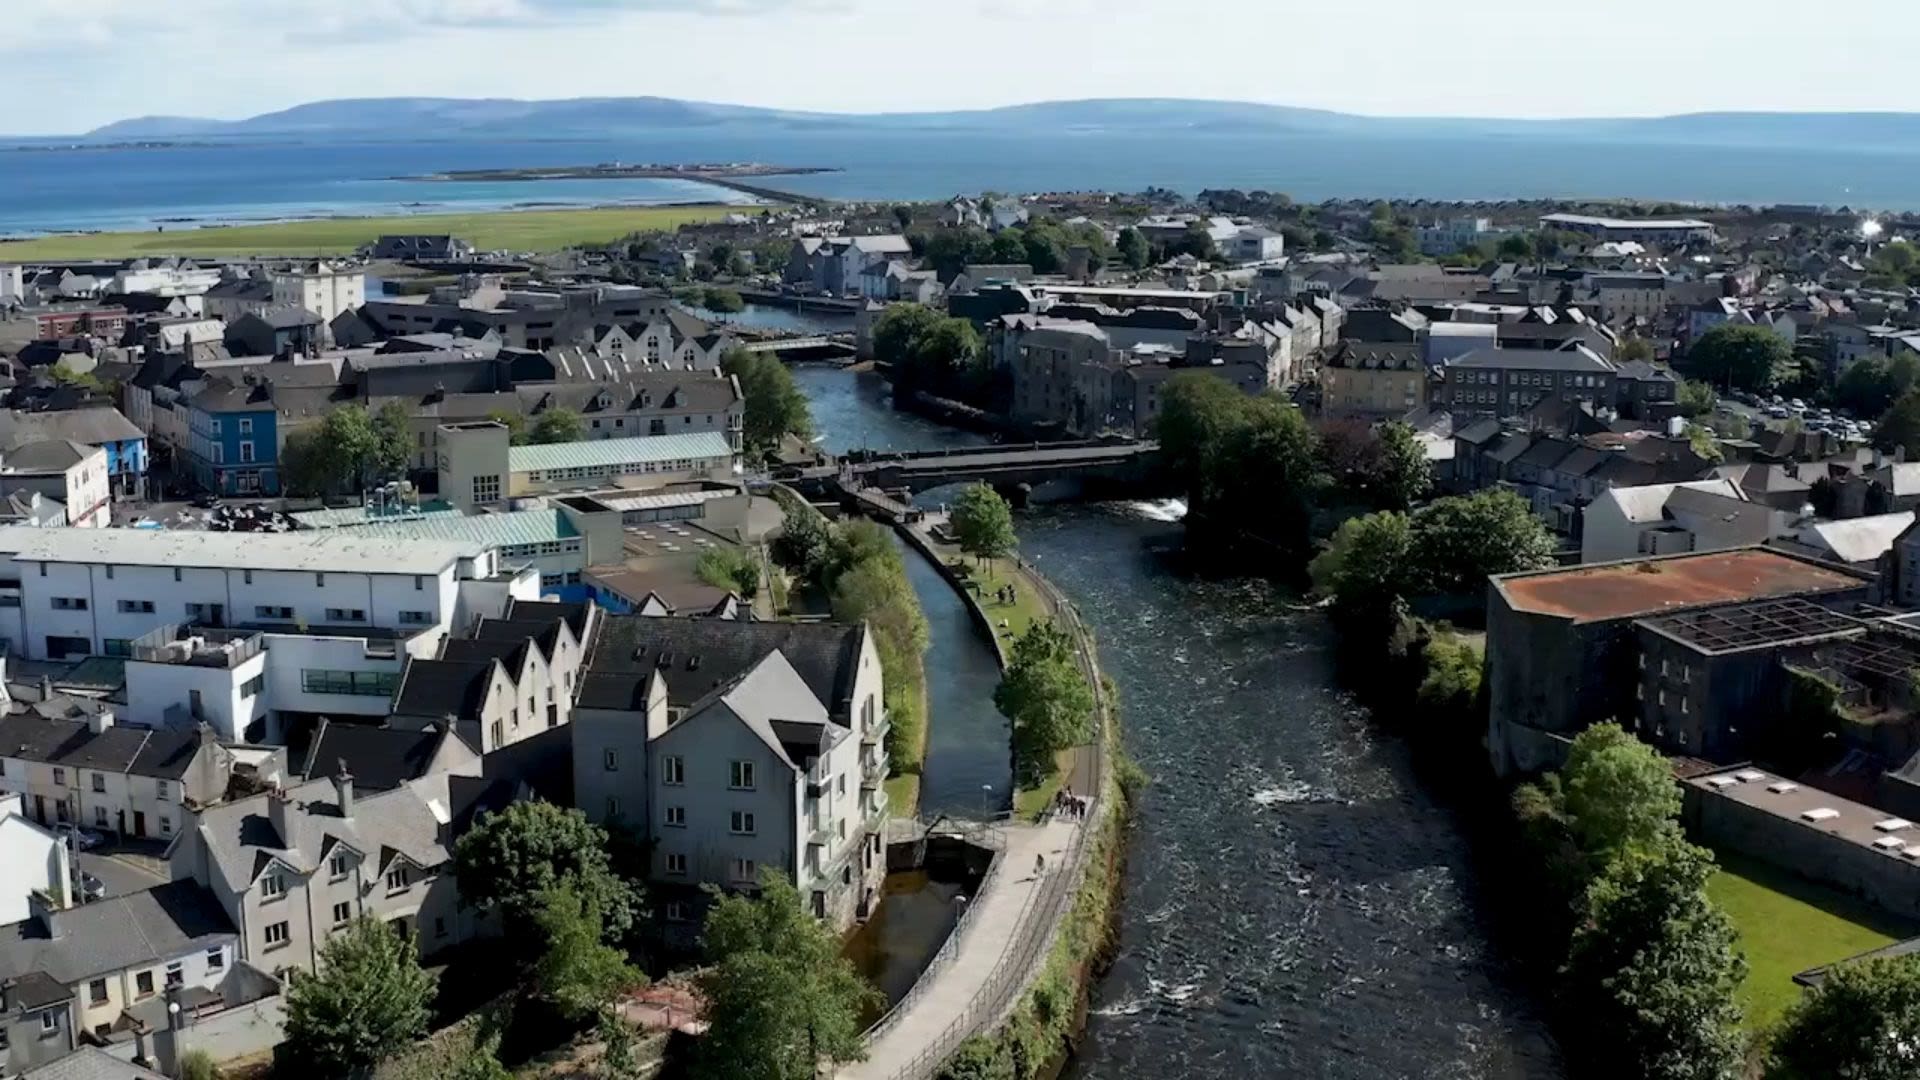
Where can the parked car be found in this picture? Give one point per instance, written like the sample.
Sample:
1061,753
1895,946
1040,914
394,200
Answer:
91,888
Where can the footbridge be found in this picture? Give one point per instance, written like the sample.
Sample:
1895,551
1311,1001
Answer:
1126,466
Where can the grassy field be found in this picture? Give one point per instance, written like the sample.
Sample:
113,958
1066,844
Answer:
1787,926
509,230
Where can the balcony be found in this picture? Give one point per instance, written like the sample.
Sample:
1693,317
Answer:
876,809
821,834
872,772
196,645
876,733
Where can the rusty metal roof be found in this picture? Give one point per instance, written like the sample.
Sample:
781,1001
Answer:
1629,589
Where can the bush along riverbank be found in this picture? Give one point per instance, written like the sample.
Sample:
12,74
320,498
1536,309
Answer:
852,571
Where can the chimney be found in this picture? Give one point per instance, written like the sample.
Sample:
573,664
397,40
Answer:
100,721
279,805
343,789
40,907
1879,458
46,687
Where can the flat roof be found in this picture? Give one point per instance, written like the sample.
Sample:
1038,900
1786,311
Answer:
1628,223
1844,820
1121,291
1762,624
1650,586
333,550
666,499
336,517
597,453
514,529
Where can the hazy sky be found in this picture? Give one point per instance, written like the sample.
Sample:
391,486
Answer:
93,61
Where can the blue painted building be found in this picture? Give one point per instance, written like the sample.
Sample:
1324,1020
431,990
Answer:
98,425
233,432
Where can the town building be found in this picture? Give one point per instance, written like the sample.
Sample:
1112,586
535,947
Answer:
96,774
1363,378
833,264
1670,519
1660,232
402,247
1507,382
321,288
33,859
102,426
738,747
478,466
71,474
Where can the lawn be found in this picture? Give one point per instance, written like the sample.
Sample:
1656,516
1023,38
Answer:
1030,803
1787,926
509,230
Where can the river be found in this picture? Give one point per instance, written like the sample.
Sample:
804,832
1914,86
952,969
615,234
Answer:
1296,903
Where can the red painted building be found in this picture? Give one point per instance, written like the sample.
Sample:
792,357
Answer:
106,322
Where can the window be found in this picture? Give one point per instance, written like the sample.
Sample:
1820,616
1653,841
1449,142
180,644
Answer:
176,975
69,603
50,1021
216,959
116,646
320,580
676,817
486,489
272,887
136,607
399,879
346,615
673,771
97,992
676,863
416,618
499,734
100,820
358,683
143,984
246,576
743,870
276,935
613,807
610,760
343,913
740,776
337,867
273,611
253,686
439,926
166,825
59,777
419,583
676,911
161,791
100,782
246,452
741,823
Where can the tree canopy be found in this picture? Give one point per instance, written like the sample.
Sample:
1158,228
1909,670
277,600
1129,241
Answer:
1617,792
1046,697
1695,398
557,426
735,569
775,407
1739,357
983,522
1464,539
1383,466
579,973
1861,1023
781,999
349,450
805,541
367,999
510,859
1899,428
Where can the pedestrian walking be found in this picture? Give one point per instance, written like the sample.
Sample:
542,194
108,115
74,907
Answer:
1039,865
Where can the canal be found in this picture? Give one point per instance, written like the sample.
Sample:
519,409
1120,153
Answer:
1296,903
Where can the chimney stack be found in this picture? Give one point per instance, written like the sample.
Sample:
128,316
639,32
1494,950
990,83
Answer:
41,907
343,789
279,805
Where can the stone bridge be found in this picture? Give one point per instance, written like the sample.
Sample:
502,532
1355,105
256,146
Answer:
1096,467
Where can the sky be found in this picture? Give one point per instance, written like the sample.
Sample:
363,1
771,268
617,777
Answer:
102,60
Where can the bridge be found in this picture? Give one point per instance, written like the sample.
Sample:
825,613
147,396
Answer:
1096,467
818,349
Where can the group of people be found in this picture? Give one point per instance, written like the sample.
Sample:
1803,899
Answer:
1073,806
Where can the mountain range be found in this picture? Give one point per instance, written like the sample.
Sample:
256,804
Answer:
601,117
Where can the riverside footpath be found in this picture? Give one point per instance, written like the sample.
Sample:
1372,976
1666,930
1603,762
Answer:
1007,931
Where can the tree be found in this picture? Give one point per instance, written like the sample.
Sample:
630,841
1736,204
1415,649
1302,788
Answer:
947,357
197,1064
305,466
781,999
1464,539
392,444
1269,477
1617,793
1633,347
1449,696
775,407
481,1061
1516,246
1739,357
978,1058
1653,970
509,859
1133,248
1899,429
579,973
515,423
1368,565
722,301
1695,398
1046,697
1197,242
983,522
734,569
368,999
559,425
1196,413
1405,474
804,542
898,328
902,215
1861,1023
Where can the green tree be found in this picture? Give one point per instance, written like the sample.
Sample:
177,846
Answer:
1045,696
781,999
559,425
1703,442
979,1058
480,1061
514,421
1269,478
1739,357
983,522
1405,474
509,860
804,543
368,999
392,444
1860,1023
579,973
1133,248
1449,696
1368,565
902,215
948,357
305,466
1695,398
619,1057
197,1064
775,407
1653,971
1633,347
1197,242
1197,412
1617,793
1899,428
898,328
1464,539
1516,246
722,301
734,569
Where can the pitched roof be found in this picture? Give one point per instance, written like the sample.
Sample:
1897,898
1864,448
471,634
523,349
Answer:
444,688
71,744
596,453
90,1063
697,655
90,426
241,840
777,705
161,923
1577,359
379,758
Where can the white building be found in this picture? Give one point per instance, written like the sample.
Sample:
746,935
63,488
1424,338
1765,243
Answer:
73,474
1456,235
322,288
479,467
183,280
1665,519
32,859
13,284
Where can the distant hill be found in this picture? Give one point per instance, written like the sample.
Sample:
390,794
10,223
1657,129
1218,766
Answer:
508,118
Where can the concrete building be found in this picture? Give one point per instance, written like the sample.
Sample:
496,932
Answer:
1507,382
1456,235
72,474
125,445
409,247
1670,519
32,860
1662,232
1563,646
1360,378
479,467
96,774
322,288
739,747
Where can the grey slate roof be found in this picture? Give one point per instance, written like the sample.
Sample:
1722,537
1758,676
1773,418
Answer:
697,655
161,923
90,426
380,758
241,840
46,455
1576,359
68,743
90,1063
444,688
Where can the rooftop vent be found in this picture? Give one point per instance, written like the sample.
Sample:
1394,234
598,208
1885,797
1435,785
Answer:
1892,824
1721,781
1889,843
1748,776
1783,787
1820,813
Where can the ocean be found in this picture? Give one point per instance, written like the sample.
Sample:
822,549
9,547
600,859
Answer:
45,189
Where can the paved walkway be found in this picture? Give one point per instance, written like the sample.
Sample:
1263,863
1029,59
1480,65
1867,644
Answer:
994,921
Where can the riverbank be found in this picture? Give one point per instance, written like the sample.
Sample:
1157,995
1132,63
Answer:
503,230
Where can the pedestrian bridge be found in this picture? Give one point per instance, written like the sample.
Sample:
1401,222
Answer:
1100,465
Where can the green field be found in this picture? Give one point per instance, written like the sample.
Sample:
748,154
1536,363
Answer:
1787,926
509,230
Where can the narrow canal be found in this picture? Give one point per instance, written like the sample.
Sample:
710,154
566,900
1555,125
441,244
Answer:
1296,904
